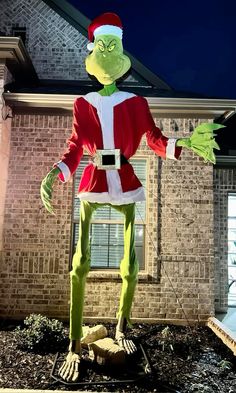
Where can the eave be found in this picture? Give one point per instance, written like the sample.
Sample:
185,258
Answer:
159,106
14,54
226,161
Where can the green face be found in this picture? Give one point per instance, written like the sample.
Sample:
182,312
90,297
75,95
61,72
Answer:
107,61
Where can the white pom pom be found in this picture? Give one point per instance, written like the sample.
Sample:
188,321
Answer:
90,46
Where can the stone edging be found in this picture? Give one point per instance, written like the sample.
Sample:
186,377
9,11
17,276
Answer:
226,335
3,390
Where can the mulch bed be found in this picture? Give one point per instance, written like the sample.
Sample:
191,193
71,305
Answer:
183,359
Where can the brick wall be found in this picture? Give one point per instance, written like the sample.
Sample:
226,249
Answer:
185,232
5,133
36,246
224,182
56,48
35,258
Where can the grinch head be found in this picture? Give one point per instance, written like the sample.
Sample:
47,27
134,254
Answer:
106,61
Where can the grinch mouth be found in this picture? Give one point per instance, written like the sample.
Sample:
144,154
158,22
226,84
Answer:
103,70
117,73
113,76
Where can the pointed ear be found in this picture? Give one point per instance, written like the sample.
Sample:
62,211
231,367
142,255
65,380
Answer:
90,46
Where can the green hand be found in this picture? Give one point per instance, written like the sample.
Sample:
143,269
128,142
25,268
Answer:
202,141
47,188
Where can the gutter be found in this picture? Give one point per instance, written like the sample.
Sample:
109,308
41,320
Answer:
225,161
158,105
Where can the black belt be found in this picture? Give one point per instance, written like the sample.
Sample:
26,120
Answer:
109,159
123,160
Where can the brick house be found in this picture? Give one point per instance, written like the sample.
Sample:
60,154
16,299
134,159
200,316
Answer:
181,230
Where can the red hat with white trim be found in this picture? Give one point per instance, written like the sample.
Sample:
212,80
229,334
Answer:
108,23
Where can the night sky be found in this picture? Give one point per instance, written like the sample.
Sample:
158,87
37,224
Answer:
191,45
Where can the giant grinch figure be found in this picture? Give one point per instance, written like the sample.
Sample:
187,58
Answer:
109,125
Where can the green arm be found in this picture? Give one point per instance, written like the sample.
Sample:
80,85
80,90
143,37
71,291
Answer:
47,188
202,141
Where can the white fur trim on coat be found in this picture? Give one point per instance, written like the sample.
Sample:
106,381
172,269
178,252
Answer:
170,149
64,170
124,198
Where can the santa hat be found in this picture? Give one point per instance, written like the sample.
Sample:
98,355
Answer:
108,23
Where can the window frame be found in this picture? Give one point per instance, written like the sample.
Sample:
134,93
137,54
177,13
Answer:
230,194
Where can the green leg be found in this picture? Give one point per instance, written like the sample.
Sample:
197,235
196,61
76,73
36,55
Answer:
81,266
129,264
80,269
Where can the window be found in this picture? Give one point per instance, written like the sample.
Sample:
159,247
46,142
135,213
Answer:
232,246
106,231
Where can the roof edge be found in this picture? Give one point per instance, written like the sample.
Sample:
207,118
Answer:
158,105
80,22
13,51
70,14
225,161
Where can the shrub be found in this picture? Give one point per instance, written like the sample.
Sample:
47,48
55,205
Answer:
40,334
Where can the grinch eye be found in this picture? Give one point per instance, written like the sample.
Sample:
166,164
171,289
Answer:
111,47
101,46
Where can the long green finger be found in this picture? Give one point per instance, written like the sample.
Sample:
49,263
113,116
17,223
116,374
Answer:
202,128
215,145
49,209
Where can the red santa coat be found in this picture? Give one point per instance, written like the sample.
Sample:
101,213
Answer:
108,122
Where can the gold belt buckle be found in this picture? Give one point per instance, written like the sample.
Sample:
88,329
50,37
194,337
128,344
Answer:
107,159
